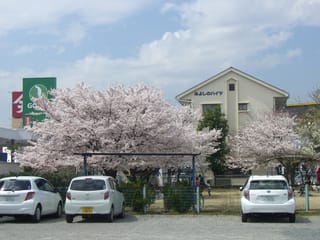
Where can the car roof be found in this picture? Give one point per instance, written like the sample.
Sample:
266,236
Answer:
267,177
92,177
22,177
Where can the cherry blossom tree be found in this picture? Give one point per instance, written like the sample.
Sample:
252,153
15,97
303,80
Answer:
119,119
315,95
309,125
268,141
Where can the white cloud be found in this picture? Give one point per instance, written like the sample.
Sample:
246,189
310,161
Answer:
273,59
294,53
25,49
271,13
30,49
75,33
217,34
46,14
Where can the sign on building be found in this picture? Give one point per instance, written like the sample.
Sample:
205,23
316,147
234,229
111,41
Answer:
17,109
3,157
17,103
34,88
6,152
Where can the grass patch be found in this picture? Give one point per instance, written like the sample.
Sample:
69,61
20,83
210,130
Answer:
226,201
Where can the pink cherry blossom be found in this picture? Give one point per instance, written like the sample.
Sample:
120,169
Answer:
119,119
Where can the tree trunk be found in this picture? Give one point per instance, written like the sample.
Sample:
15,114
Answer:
290,169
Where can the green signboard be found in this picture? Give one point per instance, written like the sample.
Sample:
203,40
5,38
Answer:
34,88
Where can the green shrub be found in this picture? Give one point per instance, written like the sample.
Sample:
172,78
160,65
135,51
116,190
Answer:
133,193
179,197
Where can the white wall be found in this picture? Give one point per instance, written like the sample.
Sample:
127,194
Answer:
259,96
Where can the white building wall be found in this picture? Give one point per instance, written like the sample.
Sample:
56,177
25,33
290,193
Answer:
259,97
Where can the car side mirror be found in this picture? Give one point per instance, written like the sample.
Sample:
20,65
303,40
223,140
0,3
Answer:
241,188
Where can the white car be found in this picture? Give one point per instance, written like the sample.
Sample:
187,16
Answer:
94,196
29,196
267,195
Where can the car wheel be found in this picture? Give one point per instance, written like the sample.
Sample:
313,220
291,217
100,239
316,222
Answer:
69,218
244,217
123,211
36,217
292,218
110,216
59,210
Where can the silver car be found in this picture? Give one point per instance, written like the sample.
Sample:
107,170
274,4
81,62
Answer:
270,195
29,196
94,196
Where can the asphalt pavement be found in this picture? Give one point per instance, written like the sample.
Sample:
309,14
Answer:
149,227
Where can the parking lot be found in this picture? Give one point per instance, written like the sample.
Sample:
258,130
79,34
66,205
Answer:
148,227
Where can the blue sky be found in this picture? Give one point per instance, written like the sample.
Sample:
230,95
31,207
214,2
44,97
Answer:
171,45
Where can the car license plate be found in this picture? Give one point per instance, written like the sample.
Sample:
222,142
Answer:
86,210
268,198
9,199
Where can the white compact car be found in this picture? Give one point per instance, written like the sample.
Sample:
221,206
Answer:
94,196
267,195
29,196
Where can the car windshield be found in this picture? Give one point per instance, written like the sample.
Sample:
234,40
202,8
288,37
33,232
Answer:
268,184
15,185
88,184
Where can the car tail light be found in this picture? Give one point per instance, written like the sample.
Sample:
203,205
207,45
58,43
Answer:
246,194
68,195
106,195
29,196
290,194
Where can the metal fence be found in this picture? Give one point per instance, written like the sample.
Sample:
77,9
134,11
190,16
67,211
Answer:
181,199
208,200
187,199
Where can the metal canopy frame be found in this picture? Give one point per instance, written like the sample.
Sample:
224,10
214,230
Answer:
193,155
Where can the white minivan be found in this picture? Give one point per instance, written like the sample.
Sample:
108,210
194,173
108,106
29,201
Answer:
267,195
29,196
94,196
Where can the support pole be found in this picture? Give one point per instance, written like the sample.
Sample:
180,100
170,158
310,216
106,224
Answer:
306,190
193,171
194,198
12,151
144,196
198,199
85,171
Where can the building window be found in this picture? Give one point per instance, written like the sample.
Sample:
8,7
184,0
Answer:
280,103
243,107
212,107
232,87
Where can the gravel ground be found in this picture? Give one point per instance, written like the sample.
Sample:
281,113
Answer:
149,227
